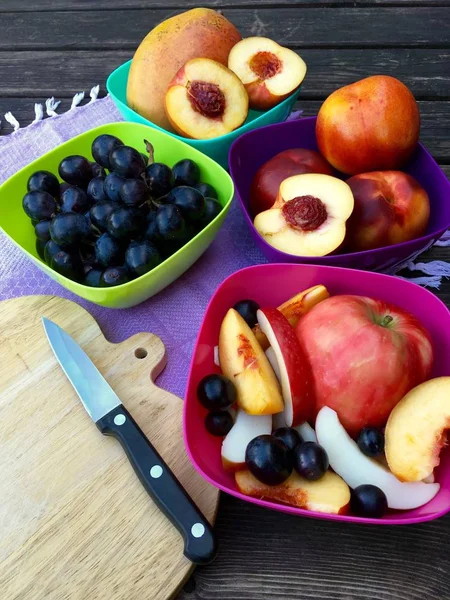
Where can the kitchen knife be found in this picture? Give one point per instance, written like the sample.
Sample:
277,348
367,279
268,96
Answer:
112,418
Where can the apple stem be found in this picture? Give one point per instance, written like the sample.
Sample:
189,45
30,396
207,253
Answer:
386,320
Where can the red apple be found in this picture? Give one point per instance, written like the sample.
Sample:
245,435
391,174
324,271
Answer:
266,183
390,207
365,356
295,371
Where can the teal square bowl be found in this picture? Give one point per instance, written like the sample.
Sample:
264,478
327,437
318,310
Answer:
17,226
216,148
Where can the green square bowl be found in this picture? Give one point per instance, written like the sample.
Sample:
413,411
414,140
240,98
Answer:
216,148
17,226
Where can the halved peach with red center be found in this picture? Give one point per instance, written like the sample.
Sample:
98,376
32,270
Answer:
309,215
269,71
205,100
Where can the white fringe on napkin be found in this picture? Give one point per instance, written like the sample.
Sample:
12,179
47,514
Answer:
12,120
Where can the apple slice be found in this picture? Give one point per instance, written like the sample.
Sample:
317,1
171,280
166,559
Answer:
246,427
296,375
307,432
205,100
416,430
272,358
269,71
330,494
356,469
243,361
294,308
309,215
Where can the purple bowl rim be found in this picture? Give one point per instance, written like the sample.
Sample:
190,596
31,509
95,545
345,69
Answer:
301,512
363,253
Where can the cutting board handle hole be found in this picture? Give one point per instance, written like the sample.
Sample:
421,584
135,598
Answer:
140,353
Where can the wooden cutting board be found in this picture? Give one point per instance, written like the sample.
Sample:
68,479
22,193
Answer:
75,522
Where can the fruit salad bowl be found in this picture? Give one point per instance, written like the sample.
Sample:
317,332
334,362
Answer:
216,148
270,285
253,149
17,226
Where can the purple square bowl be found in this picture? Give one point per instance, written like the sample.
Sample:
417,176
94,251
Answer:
253,149
270,285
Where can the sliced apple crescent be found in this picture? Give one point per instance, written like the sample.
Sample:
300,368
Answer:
269,71
246,427
309,216
416,430
205,100
356,469
243,361
330,494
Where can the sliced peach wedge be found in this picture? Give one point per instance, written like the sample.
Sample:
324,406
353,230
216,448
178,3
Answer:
243,361
269,71
309,216
416,430
330,494
205,100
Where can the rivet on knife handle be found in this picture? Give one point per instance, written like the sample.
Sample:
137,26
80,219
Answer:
199,541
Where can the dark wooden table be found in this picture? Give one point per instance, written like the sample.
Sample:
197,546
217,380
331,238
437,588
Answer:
59,47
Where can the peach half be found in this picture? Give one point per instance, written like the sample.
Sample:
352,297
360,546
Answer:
269,71
416,430
205,100
309,216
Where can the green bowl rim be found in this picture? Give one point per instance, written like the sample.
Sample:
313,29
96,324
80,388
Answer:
76,284
189,141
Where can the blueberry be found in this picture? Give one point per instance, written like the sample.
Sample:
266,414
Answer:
219,423
134,192
206,190
186,172
114,276
93,278
189,200
44,181
310,460
39,206
247,309
74,199
102,146
108,251
368,501
141,257
289,436
67,229
212,209
268,459
96,190
100,214
159,179
113,184
125,222
97,170
126,161
170,222
75,170
216,392
151,232
371,441
42,230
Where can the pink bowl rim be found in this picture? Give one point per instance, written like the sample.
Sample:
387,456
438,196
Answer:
426,239
283,507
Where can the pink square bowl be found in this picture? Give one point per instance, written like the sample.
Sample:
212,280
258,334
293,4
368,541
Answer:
270,285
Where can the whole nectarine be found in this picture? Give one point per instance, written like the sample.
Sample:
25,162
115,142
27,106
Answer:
268,177
390,207
369,125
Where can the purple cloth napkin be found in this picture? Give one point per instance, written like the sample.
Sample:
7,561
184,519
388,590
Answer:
176,313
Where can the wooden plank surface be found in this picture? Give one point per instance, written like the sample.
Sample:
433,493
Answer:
63,73
305,28
59,47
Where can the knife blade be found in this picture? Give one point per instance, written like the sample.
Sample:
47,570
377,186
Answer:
112,418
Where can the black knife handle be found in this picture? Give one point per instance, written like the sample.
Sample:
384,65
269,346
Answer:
200,545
